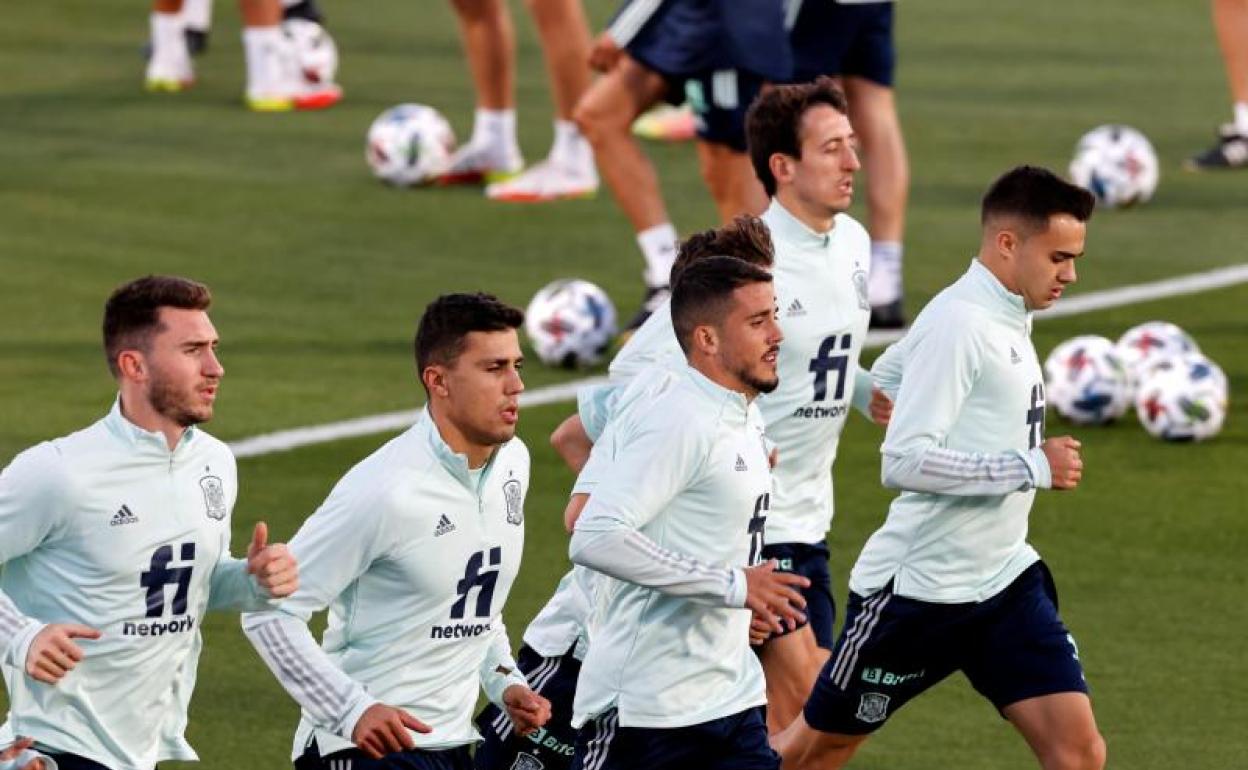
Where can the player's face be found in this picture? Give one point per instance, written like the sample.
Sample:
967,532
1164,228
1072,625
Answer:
483,388
183,372
823,177
1045,263
750,339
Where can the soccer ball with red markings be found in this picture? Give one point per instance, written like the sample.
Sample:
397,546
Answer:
315,52
1117,164
1086,381
1144,345
409,144
1183,398
571,323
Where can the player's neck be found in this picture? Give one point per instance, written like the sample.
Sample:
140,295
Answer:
140,412
710,368
817,219
476,454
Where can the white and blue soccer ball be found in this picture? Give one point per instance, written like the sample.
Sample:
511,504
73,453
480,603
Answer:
1144,345
1117,164
1183,398
1087,382
570,323
409,144
315,51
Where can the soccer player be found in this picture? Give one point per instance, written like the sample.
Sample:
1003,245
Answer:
1230,19
803,149
115,542
492,154
414,553
949,582
555,641
717,54
274,82
675,520
196,18
852,40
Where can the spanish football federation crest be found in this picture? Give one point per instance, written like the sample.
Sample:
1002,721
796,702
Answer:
511,497
872,707
527,762
214,497
860,287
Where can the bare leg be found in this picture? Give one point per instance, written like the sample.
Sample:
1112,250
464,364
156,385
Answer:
260,13
1230,19
791,664
490,45
564,33
1061,731
873,113
802,747
731,181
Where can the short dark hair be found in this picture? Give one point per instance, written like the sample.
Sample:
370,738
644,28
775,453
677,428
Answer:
1035,194
701,295
451,317
745,237
132,312
774,121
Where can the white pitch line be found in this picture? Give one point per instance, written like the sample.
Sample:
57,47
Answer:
286,440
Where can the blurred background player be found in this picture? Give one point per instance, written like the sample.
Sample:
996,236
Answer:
197,21
274,81
492,153
717,54
852,40
1230,19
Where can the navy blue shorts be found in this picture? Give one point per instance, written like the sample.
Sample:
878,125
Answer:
737,742
75,762
458,758
1011,647
810,561
685,37
829,38
551,747
719,100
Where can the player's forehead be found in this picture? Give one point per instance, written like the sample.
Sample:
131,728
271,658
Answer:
181,325
822,123
1063,232
752,298
485,346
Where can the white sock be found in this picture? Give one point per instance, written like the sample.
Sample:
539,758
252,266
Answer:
264,75
197,14
884,285
168,42
494,128
1241,118
658,246
570,148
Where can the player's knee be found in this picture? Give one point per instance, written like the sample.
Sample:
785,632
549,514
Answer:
598,118
1081,753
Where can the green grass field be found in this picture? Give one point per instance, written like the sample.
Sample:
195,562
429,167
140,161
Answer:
320,274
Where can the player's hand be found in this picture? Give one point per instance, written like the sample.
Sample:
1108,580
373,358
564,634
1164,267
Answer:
773,459
384,729
773,597
1065,463
760,630
527,710
53,653
14,751
273,566
880,408
604,53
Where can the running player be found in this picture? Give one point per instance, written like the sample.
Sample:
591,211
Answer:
414,553
949,581
114,542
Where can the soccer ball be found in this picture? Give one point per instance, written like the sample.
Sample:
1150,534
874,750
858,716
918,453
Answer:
1086,381
1183,398
409,144
570,323
315,52
1143,345
1117,164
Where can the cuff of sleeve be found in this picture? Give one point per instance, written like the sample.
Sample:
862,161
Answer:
19,647
736,588
346,728
498,685
861,400
1038,465
261,599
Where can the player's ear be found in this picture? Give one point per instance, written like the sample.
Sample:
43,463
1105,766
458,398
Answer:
131,365
434,379
706,339
1007,241
781,166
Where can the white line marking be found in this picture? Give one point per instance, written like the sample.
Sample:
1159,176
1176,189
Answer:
286,440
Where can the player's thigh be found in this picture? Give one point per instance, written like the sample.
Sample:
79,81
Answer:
719,100
810,560
603,744
1021,648
891,650
619,96
739,742
1060,729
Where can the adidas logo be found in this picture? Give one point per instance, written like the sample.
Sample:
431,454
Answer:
123,516
741,464
444,526
795,309
1014,357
